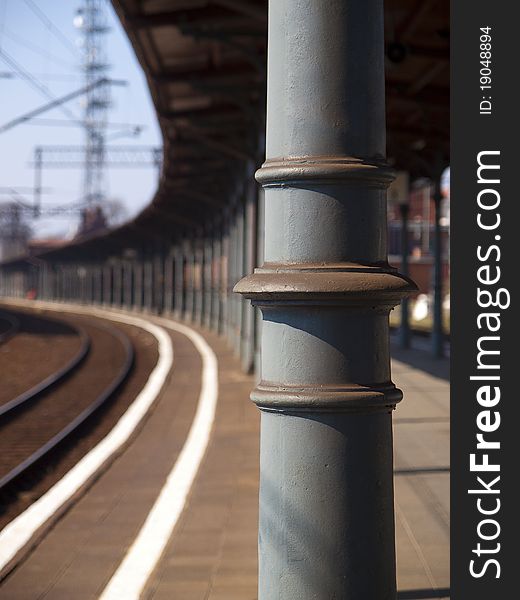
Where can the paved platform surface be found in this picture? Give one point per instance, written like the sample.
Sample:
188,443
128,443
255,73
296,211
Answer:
212,553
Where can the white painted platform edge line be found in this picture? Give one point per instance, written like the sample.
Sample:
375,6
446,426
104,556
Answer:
143,555
20,531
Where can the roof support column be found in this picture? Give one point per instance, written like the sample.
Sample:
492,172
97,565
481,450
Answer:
199,277
117,299
107,285
90,283
248,321
98,283
169,266
208,276
128,284
226,281
84,284
325,291
139,282
189,307
148,282
179,298
158,280
216,276
437,329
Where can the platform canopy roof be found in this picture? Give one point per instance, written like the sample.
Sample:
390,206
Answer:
205,62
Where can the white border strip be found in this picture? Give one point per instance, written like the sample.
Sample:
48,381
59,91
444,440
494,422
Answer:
134,571
20,531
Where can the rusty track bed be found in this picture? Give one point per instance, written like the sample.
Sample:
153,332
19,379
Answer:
29,401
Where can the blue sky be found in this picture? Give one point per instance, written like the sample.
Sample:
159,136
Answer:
56,65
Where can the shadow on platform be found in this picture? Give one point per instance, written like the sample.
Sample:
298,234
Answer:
420,594
421,359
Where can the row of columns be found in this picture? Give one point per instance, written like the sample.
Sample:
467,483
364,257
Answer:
191,279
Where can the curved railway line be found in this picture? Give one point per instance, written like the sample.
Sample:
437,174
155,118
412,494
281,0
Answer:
52,413
7,409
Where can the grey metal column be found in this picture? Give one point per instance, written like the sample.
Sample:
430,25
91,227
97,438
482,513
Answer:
224,275
158,280
208,277
248,322
128,284
404,329
98,284
216,275
232,279
148,284
107,285
189,309
437,328
169,266
67,283
239,273
117,299
43,286
139,283
325,291
90,283
179,297
61,283
199,277
260,260
84,284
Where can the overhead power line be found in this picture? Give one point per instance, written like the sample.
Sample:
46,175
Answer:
52,28
36,49
33,82
115,156
65,77
57,102
129,128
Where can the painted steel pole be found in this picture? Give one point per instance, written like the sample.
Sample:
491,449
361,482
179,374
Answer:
231,313
224,275
198,276
158,280
248,321
207,276
117,299
168,282
139,283
179,300
148,282
437,329
325,290
404,329
189,308
107,285
128,284
216,271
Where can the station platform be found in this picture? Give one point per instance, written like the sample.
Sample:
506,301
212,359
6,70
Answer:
212,552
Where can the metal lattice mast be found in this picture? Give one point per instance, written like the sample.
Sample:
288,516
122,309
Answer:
91,20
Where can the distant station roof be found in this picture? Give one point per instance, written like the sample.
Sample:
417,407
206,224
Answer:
205,62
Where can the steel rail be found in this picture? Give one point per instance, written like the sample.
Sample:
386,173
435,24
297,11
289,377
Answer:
30,395
80,419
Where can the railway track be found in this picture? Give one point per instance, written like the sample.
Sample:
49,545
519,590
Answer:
32,394
39,421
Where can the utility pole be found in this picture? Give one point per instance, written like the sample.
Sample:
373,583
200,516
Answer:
91,20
